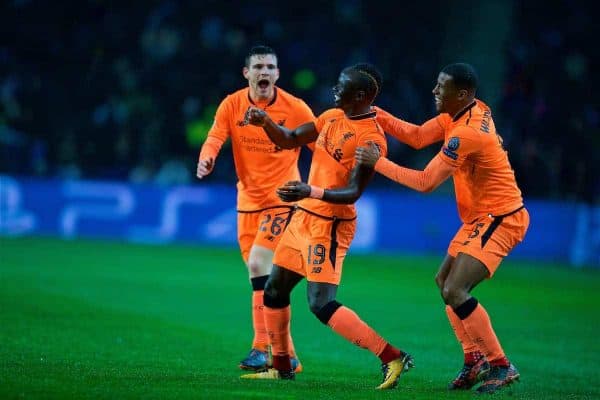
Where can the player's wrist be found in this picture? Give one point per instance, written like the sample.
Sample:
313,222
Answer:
316,192
264,120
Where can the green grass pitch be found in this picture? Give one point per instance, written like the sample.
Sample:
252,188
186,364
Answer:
95,319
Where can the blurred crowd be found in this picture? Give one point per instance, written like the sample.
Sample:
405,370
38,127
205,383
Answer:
127,90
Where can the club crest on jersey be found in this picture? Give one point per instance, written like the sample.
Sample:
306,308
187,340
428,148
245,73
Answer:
453,143
450,149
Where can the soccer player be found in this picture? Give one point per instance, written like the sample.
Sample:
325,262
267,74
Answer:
261,167
489,203
316,241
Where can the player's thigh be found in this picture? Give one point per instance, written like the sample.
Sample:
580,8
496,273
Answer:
283,280
465,273
443,271
490,239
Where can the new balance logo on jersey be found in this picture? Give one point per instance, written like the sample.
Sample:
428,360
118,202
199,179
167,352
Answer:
337,154
347,136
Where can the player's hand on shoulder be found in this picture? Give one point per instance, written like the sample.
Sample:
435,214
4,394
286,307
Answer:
255,116
293,191
204,168
368,155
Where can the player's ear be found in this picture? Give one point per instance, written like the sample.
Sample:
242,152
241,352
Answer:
462,94
360,95
245,71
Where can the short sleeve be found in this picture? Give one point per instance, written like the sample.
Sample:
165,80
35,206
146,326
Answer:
460,143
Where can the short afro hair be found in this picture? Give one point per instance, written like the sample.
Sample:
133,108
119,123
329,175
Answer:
463,75
369,78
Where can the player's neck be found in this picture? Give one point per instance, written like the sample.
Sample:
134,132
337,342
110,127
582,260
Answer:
261,100
358,112
461,107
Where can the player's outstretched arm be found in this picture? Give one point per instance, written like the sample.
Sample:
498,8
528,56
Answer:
359,178
280,135
436,172
416,136
208,155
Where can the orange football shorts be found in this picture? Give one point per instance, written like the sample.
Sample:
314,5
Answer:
263,228
315,246
490,238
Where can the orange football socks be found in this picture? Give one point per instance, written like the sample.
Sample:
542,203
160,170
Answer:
467,344
261,340
277,321
479,327
348,324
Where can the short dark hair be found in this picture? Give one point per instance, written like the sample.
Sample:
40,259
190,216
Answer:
259,50
369,78
463,75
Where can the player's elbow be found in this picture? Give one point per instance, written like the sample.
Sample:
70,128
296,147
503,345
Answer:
427,187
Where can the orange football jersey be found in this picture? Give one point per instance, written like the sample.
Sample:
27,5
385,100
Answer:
333,157
261,166
484,182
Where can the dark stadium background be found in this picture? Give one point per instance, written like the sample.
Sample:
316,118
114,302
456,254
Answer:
103,108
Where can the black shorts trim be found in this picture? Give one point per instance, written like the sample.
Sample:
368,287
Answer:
290,208
495,224
324,216
334,244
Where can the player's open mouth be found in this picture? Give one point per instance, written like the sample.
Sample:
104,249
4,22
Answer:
336,97
263,83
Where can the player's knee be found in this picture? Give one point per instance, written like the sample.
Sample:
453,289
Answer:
257,268
454,296
324,311
439,282
315,304
274,297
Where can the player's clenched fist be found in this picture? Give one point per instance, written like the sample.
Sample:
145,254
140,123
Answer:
255,116
204,168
